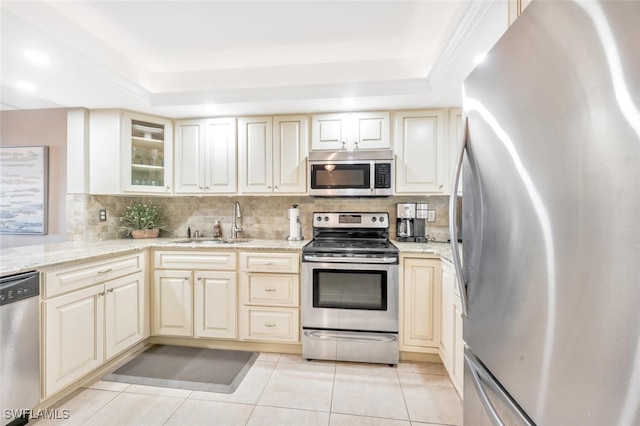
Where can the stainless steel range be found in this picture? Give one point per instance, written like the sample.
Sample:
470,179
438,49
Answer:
350,292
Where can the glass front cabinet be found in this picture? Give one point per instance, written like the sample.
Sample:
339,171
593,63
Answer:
147,155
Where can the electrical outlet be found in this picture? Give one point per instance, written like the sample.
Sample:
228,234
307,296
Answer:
103,215
431,215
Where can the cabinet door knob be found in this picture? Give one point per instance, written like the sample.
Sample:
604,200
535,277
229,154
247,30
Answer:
167,189
344,145
101,294
199,278
110,290
186,278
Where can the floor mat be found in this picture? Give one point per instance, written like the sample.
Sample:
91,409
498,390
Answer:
182,367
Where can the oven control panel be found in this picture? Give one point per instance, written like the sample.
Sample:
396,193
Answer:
351,220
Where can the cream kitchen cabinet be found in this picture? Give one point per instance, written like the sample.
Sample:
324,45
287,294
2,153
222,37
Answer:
273,153
516,7
89,318
420,304
270,297
456,135
349,131
194,294
421,153
137,147
452,343
205,156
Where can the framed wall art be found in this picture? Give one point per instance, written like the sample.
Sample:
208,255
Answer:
24,189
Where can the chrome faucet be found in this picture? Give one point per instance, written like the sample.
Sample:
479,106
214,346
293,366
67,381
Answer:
235,230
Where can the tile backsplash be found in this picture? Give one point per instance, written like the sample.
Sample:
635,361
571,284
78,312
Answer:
264,217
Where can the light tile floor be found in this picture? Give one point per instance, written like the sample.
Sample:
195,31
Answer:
281,389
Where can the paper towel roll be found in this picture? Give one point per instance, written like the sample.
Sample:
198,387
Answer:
294,224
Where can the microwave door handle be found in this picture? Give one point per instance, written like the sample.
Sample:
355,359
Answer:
372,177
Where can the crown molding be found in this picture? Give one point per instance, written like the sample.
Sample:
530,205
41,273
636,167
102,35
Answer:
472,16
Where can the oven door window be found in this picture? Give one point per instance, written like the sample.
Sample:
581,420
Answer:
340,176
342,289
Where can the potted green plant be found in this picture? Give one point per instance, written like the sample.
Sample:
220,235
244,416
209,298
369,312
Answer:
143,220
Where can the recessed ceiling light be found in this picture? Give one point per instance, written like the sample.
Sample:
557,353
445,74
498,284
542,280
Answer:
36,57
27,87
349,102
479,58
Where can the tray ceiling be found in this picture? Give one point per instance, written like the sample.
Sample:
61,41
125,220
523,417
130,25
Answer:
215,58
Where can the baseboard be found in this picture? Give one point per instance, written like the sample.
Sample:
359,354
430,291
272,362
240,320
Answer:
283,348
419,357
60,397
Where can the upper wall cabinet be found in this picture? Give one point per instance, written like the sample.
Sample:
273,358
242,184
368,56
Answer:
349,131
456,129
205,153
273,153
137,145
515,9
421,159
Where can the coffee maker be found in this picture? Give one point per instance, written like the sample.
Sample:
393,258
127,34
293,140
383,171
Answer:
420,222
410,221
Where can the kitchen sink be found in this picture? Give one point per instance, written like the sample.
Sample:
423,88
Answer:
212,241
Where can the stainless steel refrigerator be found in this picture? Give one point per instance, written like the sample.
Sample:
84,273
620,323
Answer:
551,220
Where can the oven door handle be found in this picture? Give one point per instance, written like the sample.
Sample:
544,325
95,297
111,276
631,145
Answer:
360,337
331,259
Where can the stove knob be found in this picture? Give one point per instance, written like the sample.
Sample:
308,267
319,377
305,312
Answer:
326,218
318,219
373,219
381,218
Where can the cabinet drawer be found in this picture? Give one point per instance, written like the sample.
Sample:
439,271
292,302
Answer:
192,259
270,324
270,262
61,280
270,289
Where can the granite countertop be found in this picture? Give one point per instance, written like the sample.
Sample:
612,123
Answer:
28,258
441,250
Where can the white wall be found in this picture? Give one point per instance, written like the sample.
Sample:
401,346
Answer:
37,128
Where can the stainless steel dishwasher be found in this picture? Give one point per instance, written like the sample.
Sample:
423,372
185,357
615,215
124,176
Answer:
19,346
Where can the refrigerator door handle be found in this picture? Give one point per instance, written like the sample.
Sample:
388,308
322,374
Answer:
453,220
484,398
479,383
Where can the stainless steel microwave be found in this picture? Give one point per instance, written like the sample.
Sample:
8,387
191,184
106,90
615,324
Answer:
351,173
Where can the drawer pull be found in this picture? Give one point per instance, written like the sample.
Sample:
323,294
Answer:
269,263
269,289
110,290
269,324
104,271
101,294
